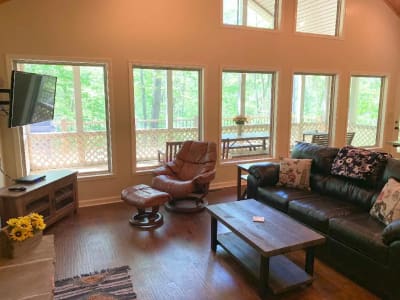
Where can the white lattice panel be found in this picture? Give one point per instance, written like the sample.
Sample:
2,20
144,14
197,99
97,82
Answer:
67,150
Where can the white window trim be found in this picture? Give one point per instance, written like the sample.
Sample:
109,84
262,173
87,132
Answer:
18,135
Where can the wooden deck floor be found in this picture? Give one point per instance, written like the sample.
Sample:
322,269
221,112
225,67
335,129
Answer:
175,260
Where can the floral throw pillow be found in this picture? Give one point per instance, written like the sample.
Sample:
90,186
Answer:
295,173
357,163
387,206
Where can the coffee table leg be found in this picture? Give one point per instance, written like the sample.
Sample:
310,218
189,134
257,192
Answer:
213,234
239,183
309,268
264,276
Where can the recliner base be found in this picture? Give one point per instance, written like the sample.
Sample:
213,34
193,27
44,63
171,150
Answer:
186,205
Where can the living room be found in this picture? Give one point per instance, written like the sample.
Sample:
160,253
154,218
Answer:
191,34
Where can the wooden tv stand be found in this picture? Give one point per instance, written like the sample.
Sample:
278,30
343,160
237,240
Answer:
54,197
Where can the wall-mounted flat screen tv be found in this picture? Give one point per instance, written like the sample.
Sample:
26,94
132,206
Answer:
32,98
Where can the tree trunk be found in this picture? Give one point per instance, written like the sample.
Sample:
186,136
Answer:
155,114
144,106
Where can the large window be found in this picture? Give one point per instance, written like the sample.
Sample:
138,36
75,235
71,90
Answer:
247,99
167,108
311,105
318,16
253,13
365,108
79,135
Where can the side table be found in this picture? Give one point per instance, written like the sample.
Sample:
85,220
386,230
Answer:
243,177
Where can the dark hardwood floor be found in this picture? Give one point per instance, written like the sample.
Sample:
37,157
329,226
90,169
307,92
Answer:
174,261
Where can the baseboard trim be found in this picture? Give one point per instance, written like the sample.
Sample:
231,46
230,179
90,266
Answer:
117,199
221,185
99,201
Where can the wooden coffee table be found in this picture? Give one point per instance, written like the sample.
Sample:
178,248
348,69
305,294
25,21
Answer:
259,246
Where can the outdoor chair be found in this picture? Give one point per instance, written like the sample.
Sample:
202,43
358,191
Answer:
320,139
349,137
171,148
188,176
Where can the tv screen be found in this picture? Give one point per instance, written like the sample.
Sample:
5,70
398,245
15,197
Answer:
32,98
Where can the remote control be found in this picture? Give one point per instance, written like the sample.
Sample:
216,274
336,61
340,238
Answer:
17,189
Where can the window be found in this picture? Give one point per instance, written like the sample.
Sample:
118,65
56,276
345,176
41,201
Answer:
253,13
167,108
311,105
79,135
365,108
318,16
247,95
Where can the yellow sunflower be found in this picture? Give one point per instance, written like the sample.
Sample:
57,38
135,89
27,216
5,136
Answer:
25,222
18,234
37,221
12,222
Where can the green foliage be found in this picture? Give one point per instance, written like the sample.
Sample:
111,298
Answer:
367,91
92,94
256,100
151,98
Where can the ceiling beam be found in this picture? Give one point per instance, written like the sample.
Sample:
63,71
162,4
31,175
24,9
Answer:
395,5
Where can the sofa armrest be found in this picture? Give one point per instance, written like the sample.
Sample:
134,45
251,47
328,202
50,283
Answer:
265,174
391,232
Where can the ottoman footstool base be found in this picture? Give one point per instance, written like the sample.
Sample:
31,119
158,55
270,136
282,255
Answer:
143,197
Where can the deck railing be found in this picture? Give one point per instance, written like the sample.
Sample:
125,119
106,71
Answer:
89,150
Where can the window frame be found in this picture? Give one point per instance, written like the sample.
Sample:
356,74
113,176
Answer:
338,27
332,101
24,166
274,88
382,103
243,17
167,67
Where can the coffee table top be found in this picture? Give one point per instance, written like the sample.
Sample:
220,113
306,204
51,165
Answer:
278,233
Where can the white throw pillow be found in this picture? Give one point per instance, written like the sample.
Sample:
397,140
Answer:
295,173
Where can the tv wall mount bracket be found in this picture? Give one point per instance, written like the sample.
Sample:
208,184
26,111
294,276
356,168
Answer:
5,91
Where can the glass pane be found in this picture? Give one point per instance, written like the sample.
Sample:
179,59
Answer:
257,13
317,16
166,109
246,114
186,99
93,95
364,110
311,101
231,12
80,121
150,94
261,13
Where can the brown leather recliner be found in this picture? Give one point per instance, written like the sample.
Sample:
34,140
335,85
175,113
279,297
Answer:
188,176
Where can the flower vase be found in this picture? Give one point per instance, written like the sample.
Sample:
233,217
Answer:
14,249
240,129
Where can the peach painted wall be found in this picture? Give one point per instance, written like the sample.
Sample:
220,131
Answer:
189,32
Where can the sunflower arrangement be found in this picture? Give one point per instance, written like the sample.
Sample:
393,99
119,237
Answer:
240,120
22,228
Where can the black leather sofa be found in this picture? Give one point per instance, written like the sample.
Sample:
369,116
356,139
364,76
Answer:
358,245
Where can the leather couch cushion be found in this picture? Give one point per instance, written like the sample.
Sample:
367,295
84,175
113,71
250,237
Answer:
361,232
351,190
279,197
317,211
322,156
392,170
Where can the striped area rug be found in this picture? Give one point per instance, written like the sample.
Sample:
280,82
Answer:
107,284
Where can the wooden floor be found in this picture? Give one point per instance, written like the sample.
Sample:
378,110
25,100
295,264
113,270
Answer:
175,260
